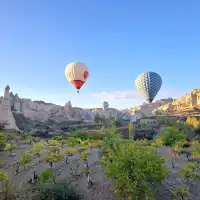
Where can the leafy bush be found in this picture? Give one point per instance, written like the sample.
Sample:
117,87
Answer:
96,136
117,122
136,169
79,133
46,174
25,158
2,163
58,191
112,138
196,149
72,142
10,147
172,135
2,141
193,121
58,138
3,176
2,145
24,136
8,190
131,131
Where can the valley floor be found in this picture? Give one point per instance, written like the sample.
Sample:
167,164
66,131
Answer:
102,189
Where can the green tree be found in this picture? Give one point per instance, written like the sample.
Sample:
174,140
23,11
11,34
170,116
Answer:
2,141
131,131
54,149
3,176
136,168
158,143
79,133
193,121
52,158
53,142
144,125
84,156
189,173
72,141
82,149
10,147
2,163
61,191
35,139
68,153
95,144
46,175
112,138
196,150
36,150
180,192
117,122
172,135
97,118
25,159
24,137
58,138
10,136
8,190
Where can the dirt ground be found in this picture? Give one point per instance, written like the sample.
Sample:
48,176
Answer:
102,189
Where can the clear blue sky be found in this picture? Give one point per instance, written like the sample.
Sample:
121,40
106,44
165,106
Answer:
116,39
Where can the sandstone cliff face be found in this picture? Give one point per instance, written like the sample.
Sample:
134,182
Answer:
30,114
184,105
42,111
145,110
6,116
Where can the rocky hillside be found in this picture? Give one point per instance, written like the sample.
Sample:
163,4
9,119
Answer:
42,111
185,105
145,110
39,116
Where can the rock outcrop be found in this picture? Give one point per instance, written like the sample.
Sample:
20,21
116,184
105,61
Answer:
36,116
183,106
42,111
145,110
6,116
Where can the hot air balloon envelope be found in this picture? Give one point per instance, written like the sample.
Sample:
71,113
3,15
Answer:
105,105
148,84
77,74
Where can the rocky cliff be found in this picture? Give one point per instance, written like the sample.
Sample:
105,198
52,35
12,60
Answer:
41,111
145,110
185,105
30,115
6,116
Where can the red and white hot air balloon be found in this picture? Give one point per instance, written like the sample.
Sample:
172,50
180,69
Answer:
77,74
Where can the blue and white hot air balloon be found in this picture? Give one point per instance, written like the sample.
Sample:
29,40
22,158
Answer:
105,105
148,84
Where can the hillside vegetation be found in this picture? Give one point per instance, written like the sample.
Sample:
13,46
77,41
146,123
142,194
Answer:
76,166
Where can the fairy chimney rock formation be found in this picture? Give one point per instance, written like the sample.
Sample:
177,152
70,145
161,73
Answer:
6,116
